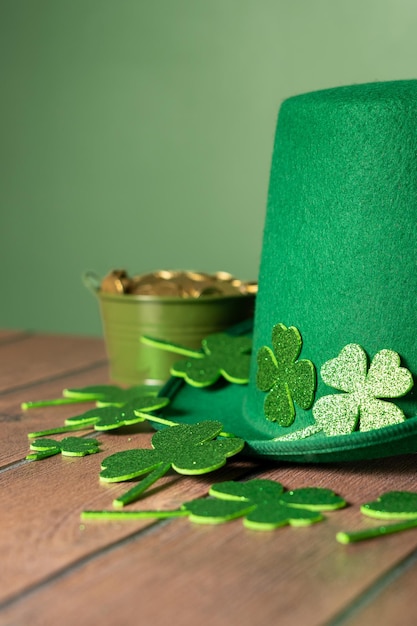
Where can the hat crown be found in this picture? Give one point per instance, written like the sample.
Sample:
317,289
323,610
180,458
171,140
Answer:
339,256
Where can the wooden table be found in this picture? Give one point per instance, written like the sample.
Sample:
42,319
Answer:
56,569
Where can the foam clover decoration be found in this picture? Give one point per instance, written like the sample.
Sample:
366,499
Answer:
112,394
111,416
285,378
400,505
360,405
393,504
186,448
262,503
101,394
222,355
69,446
114,416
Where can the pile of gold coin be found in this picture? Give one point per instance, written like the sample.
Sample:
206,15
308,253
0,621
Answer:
178,284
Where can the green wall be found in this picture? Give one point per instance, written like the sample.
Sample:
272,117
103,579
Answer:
138,133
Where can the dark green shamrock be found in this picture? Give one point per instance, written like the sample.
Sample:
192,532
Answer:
221,355
187,448
112,394
101,394
286,379
110,416
114,416
401,505
392,505
69,446
262,503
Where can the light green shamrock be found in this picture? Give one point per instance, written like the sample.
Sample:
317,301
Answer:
286,379
341,414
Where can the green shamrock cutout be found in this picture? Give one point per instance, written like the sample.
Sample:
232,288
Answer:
340,414
286,379
393,504
186,448
69,446
262,503
101,394
111,416
401,505
114,416
221,355
112,394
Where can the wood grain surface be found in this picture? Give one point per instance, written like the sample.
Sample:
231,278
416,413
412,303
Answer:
58,569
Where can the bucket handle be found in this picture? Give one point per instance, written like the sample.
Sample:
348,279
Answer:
91,280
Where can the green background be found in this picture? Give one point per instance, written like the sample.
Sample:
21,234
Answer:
139,133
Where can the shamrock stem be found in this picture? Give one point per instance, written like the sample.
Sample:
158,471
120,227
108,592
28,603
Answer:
38,456
117,515
54,402
379,531
153,418
161,420
171,347
61,429
300,434
136,491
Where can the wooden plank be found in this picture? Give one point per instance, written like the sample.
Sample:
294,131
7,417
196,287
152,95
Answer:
42,501
16,423
8,336
41,357
181,571
55,568
392,601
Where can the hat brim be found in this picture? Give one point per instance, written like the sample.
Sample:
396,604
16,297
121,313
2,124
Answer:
225,402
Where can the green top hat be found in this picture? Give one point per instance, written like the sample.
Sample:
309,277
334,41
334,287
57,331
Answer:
337,286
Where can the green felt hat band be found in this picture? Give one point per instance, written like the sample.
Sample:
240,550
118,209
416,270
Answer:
339,255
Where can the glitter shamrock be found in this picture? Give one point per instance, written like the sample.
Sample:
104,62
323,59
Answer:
115,416
112,394
286,379
262,503
101,394
360,405
69,446
111,416
400,505
221,355
392,504
186,448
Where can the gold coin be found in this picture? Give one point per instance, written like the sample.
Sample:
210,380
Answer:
146,284
165,275
251,288
196,277
193,283
223,276
175,283
116,281
210,291
159,283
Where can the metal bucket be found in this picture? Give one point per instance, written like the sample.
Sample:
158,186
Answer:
186,321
